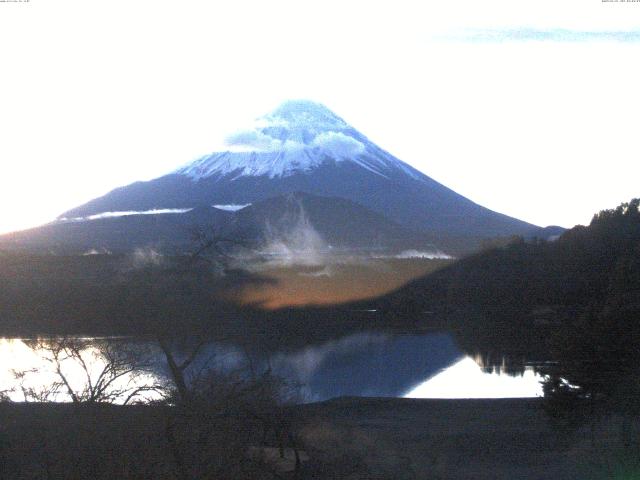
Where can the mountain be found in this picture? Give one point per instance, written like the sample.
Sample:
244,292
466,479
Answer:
293,224
303,147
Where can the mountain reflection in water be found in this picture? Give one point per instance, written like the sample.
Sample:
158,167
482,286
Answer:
467,379
362,364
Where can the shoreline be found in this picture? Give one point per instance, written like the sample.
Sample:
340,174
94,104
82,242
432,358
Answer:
388,438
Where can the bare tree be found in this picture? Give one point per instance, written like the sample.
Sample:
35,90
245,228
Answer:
31,393
211,245
92,370
217,407
179,362
216,416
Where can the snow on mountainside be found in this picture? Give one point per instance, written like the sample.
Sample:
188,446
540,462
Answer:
298,136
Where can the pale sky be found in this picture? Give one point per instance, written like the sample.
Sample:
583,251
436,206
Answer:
526,107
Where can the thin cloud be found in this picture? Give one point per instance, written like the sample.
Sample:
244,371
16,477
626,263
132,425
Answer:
540,35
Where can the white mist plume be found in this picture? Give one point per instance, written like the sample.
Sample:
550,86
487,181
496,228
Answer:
298,243
327,271
434,254
144,257
94,251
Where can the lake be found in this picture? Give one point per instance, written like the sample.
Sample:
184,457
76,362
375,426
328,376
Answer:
362,364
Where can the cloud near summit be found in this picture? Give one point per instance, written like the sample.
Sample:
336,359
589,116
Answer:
253,140
337,144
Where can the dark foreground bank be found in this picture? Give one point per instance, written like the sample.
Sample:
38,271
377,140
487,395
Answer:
350,438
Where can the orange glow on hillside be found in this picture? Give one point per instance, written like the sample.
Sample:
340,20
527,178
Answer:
334,284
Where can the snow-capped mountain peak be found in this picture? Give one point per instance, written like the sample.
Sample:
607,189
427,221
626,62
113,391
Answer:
302,146
305,113
298,136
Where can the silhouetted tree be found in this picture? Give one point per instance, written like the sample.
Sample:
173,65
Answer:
597,352
91,370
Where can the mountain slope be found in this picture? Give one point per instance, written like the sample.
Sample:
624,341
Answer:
295,222
304,147
169,232
329,223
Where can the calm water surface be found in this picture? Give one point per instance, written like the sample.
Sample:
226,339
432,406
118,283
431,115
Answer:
363,364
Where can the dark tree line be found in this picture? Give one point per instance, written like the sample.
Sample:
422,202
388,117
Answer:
571,307
597,352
